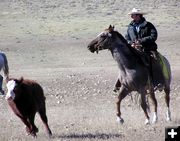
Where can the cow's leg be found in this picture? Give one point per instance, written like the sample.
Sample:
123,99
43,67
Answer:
13,106
26,122
42,113
122,94
34,129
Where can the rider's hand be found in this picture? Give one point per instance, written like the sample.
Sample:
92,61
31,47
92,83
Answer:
133,45
138,42
137,45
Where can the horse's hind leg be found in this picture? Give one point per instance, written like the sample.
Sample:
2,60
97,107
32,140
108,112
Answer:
42,113
144,107
122,94
167,100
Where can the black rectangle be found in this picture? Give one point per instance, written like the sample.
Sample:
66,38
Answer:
172,133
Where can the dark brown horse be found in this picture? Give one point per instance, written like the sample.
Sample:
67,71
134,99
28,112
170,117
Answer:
133,74
26,97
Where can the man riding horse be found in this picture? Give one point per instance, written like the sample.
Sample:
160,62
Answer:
142,35
133,74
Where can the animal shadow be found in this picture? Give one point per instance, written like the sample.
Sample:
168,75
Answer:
103,136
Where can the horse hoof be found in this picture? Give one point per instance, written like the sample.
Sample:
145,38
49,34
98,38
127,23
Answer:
168,116
36,130
116,89
120,120
147,122
154,121
168,119
155,118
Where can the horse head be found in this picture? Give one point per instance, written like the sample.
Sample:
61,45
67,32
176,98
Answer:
102,41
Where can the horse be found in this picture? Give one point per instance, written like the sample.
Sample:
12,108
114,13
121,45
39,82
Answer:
133,74
26,98
3,66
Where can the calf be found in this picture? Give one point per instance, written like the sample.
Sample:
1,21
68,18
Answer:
26,97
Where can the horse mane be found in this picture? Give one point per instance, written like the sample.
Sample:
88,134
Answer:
125,42
122,38
133,50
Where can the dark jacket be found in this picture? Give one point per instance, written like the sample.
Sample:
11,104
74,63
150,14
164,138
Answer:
147,34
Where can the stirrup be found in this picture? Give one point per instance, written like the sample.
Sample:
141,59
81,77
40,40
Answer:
158,87
154,55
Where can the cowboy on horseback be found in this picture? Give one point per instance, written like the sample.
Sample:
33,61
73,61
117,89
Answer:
133,75
141,35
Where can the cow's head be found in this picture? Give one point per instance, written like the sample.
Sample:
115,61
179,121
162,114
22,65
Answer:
14,87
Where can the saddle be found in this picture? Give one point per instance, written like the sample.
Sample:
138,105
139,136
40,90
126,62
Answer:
154,61
157,66
145,57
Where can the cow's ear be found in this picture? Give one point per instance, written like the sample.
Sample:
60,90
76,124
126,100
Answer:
19,81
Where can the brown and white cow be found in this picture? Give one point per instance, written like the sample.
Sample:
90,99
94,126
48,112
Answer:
26,98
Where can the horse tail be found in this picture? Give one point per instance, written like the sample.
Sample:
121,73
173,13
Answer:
6,67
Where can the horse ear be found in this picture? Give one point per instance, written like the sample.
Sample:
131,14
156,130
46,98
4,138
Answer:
111,28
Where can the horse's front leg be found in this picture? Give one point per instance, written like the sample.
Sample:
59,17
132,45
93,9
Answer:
153,98
122,94
117,85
